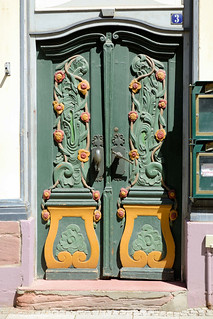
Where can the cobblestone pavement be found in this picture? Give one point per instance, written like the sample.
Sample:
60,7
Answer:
12,313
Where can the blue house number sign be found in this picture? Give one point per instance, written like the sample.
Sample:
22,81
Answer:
176,18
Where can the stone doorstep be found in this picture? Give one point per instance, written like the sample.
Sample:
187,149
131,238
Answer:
102,295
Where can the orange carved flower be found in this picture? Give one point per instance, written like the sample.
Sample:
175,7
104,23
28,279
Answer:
160,135
160,75
85,117
83,155
121,213
58,136
133,154
45,214
162,104
58,107
133,115
135,86
83,87
59,76
96,215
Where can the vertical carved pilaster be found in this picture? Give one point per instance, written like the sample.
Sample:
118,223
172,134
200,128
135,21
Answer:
107,194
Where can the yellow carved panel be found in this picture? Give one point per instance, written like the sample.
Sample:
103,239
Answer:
78,259
140,258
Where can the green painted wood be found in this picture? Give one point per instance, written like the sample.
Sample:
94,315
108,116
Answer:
147,273
110,54
72,274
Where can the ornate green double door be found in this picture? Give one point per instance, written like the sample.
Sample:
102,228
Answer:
109,155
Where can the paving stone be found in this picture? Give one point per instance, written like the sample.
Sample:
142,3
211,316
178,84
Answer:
13,313
209,314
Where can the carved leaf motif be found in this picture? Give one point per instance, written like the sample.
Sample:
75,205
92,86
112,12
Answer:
83,136
150,119
147,240
75,132
59,158
162,120
71,240
63,173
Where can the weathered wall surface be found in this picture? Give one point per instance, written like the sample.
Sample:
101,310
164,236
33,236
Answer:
10,100
196,262
17,258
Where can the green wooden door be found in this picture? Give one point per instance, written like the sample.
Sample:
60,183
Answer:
109,137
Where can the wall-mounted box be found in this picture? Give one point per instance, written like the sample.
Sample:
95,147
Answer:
203,174
202,111
201,142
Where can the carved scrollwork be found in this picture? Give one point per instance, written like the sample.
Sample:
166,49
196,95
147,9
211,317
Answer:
70,90
147,240
71,241
147,131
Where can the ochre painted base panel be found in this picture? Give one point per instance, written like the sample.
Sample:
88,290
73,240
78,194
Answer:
147,273
72,274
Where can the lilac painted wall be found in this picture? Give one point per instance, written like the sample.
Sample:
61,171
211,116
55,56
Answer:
13,276
196,262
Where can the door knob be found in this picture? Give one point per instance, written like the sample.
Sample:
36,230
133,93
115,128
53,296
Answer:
119,155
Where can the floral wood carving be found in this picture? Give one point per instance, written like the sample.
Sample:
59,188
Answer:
72,122
71,240
147,124
147,240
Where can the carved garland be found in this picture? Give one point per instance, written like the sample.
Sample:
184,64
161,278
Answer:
72,132
147,128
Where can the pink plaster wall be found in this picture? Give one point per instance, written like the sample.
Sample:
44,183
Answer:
13,276
196,261
10,243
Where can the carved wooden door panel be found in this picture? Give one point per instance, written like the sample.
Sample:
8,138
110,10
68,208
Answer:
106,152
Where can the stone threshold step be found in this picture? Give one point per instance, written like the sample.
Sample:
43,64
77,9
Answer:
102,295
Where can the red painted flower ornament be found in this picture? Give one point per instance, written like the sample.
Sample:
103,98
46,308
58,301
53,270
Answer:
59,76
171,194
46,194
162,104
133,115
58,136
85,117
123,193
160,135
173,215
83,87
96,195
45,214
96,215
121,213
160,75
83,155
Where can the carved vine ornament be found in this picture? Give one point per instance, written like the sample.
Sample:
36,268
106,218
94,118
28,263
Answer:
72,132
